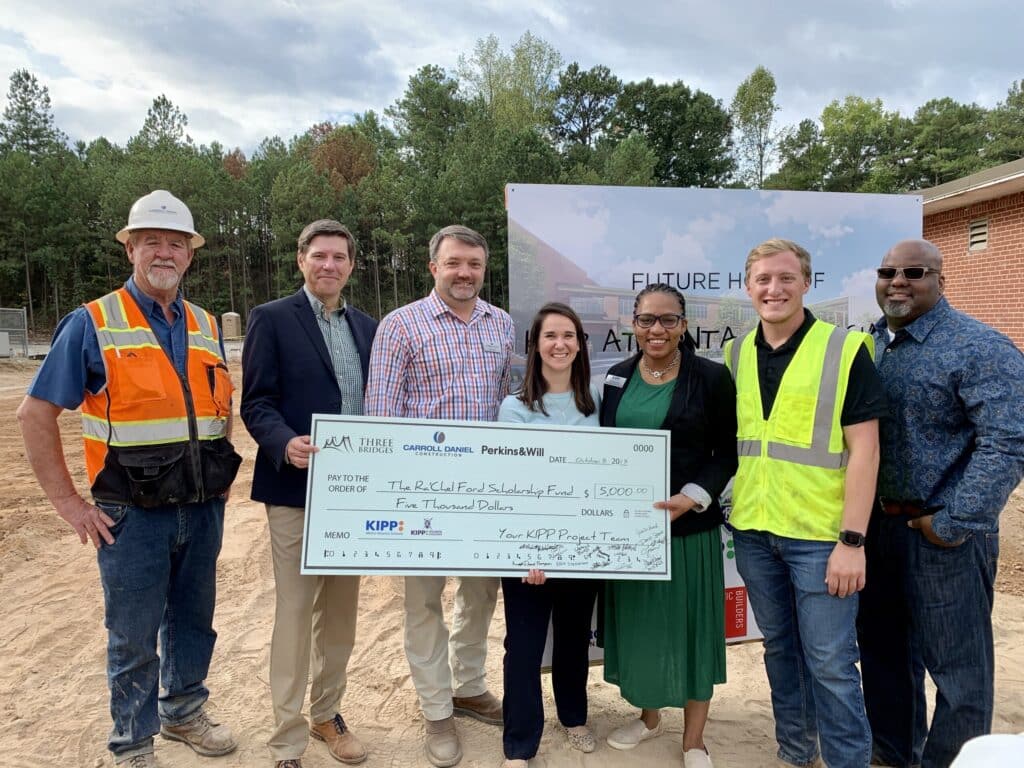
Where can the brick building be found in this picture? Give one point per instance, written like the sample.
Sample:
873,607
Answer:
978,224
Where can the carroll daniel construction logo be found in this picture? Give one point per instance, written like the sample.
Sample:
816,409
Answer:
436,447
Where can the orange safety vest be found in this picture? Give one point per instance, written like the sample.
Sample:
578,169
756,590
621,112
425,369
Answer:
145,406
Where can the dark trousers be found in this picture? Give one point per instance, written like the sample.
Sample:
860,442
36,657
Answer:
569,605
926,607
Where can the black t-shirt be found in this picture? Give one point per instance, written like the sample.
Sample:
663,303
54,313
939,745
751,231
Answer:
865,396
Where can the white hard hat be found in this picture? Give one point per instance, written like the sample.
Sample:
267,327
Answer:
160,210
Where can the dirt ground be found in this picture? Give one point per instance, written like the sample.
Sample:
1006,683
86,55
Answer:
53,694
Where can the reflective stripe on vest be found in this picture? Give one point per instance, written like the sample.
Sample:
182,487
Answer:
148,432
818,454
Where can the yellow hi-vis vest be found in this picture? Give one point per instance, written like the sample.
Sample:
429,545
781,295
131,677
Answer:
792,466
145,404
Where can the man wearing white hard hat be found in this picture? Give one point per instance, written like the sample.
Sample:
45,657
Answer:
148,371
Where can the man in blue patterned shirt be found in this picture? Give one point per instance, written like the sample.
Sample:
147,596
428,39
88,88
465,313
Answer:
952,452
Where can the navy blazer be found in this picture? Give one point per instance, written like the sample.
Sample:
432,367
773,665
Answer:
702,420
287,376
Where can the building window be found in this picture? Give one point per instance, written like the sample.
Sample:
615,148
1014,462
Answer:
587,305
977,235
626,306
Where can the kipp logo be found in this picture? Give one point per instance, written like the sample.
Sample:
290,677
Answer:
385,526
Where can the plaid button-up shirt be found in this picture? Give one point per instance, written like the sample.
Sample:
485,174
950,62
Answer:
429,363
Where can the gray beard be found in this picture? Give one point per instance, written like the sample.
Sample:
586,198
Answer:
161,281
896,309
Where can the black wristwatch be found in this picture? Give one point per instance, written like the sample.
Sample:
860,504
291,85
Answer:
852,538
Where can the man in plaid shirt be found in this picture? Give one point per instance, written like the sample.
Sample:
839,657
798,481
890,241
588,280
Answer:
446,356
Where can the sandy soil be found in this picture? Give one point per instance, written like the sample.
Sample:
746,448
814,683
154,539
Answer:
53,694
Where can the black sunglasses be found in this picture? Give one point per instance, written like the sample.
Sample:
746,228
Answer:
911,273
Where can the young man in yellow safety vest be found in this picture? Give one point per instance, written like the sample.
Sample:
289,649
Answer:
808,404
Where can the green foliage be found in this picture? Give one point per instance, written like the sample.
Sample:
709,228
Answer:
584,101
803,159
688,131
1005,128
28,124
164,126
631,163
753,115
517,88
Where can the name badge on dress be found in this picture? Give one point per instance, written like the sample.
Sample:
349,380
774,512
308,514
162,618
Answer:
615,381
492,346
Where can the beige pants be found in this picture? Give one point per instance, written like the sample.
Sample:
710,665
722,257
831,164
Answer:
315,616
436,668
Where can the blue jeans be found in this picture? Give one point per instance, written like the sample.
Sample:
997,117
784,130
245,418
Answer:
810,649
926,607
159,579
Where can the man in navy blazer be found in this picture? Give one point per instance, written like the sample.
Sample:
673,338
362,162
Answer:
304,354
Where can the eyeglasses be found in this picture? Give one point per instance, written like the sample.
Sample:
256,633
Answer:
911,273
668,322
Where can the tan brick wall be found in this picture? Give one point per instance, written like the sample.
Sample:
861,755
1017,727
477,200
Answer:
988,284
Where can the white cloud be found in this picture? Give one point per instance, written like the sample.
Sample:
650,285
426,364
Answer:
860,287
277,67
834,232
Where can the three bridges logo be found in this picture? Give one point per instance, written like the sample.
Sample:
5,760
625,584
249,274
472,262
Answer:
342,444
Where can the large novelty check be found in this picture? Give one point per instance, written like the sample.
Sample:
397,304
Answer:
421,497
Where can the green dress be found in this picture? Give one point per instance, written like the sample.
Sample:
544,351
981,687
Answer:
664,641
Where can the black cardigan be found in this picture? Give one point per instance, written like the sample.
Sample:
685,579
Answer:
702,420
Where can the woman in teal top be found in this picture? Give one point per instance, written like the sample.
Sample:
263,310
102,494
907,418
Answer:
664,641
556,390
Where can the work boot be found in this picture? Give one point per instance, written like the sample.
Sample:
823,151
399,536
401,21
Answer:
485,707
442,742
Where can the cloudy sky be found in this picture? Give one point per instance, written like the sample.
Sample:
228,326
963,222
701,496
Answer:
245,70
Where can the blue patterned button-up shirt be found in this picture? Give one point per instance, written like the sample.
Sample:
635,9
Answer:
954,437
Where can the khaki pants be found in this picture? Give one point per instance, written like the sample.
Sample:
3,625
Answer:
427,642
314,616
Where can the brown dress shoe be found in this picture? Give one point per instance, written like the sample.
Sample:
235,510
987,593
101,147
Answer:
442,742
486,707
341,742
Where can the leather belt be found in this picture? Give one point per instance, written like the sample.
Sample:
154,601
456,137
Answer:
894,507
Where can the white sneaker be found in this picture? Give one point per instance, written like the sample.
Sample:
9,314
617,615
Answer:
697,758
632,733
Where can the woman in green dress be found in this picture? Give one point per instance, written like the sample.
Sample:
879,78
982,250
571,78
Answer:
664,641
